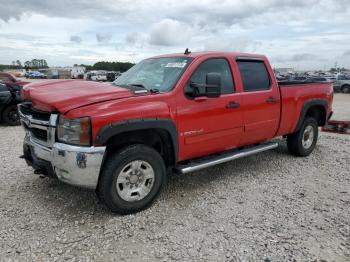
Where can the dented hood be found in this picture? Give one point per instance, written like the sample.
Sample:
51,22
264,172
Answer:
65,95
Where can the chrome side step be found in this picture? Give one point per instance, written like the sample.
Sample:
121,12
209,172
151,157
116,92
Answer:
199,164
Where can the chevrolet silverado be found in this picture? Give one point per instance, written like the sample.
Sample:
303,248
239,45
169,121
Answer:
170,113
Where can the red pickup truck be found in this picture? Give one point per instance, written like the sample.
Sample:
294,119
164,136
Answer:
8,78
180,112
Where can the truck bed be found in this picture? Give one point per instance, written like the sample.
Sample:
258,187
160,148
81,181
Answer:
293,97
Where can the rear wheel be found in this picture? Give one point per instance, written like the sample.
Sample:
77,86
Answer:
131,179
345,88
10,115
303,142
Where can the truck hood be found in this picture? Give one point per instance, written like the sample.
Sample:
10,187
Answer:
65,95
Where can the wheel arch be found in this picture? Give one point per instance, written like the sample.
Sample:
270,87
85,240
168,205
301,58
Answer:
160,134
343,86
316,109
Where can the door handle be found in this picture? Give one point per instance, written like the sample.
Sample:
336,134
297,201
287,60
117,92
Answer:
271,99
233,105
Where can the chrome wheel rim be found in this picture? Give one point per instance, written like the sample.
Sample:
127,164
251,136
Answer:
308,137
135,180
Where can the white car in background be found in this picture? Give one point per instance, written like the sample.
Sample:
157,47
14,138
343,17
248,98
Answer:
78,72
98,75
342,84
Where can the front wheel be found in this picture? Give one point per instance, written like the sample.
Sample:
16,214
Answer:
131,179
10,115
303,142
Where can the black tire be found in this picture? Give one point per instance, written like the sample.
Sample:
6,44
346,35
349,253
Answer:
107,187
345,88
295,140
10,115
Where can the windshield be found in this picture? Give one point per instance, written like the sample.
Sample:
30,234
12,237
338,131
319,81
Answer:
155,73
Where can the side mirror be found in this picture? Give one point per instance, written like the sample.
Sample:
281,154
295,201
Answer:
213,85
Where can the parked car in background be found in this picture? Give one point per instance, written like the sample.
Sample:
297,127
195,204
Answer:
180,112
9,99
319,79
98,75
78,72
342,84
9,78
87,76
300,78
35,75
111,75
18,72
331,79
281,77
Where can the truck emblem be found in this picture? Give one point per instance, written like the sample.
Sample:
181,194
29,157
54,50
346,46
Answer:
81,160
193,132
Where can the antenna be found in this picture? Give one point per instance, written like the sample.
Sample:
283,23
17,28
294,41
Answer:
187,52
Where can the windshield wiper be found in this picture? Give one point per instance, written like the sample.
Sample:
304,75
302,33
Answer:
154,90
138,85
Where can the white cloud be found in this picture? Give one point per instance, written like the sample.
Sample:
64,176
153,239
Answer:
103,38
169,32
75,39
297,33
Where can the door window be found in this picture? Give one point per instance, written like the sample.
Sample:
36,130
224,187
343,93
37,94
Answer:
254,75
216,65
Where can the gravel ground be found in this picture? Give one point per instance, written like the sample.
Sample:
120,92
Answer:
341,107
271,207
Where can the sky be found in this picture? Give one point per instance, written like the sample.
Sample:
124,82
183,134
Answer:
303,34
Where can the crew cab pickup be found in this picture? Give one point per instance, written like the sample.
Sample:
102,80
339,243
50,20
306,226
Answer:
171,113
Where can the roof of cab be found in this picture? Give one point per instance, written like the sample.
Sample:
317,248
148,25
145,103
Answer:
213,54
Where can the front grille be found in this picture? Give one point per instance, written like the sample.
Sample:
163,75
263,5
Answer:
39,134
40,125
28,110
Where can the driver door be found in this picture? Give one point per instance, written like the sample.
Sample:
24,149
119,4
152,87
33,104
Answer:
209,125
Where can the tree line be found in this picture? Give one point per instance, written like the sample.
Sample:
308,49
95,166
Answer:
109,66
41,63
31,64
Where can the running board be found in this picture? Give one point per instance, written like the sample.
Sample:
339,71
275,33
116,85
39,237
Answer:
199,164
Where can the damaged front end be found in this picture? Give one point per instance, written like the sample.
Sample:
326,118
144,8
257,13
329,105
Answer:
72,164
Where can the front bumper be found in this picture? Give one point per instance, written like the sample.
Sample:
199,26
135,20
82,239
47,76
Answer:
75,165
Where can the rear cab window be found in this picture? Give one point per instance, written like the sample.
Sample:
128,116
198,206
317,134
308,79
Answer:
254,75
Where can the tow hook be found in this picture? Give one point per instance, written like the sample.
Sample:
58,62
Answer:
38,172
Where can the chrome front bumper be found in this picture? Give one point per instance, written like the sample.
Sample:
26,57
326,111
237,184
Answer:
75,165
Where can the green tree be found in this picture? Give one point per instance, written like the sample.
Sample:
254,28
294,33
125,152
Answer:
112,66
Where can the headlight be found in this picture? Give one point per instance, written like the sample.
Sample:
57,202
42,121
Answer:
74,131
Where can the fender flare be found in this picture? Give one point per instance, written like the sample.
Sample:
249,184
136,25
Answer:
113,129
307,105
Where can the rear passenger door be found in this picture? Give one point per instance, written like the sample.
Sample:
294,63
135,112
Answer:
260,101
